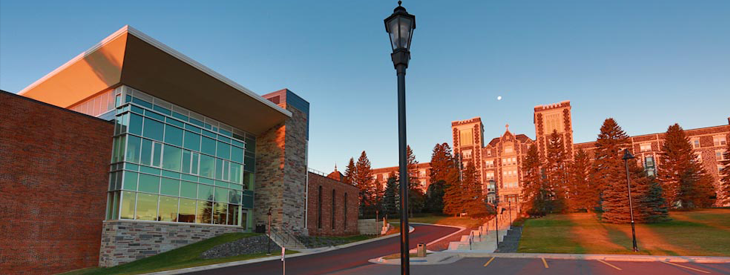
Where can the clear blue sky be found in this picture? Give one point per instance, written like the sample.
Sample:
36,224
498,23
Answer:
646,63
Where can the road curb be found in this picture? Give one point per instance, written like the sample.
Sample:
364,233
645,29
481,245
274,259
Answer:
264,259
604,257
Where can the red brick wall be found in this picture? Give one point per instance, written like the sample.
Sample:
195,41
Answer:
327,184
54,167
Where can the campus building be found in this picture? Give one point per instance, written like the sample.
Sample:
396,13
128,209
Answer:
422,175
499,162
145,150
502,156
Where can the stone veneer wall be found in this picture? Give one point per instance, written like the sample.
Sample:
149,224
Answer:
127,241
281,171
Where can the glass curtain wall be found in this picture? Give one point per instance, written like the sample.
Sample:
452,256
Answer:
172,165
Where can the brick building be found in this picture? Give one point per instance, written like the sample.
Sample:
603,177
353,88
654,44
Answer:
332,208
499,162
188,152
502,166
423,175
709,144
51,219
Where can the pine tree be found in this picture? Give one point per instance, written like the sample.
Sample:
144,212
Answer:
616,200
435,197
442,164
556,173
453,198
363,179
608,167
389,198
349,172
472,192
532,188
416,197
683,179
581,192
653,206
724,191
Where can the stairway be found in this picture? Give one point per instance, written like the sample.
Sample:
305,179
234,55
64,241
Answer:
511,241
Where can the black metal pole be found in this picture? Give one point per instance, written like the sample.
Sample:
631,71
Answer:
631,207
268,245
403,162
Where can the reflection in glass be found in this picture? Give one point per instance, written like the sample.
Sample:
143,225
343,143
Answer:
172,158
233,214
153,129
221,212
135,124
188,189
169,187
192,141
130,181
149,184
128,200
133,144
208,146
207,166
187,210
205,212
146,207
173,135
146,155
168,209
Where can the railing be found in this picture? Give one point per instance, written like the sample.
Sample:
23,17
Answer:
315,171
286,237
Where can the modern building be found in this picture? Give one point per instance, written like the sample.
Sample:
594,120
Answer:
190,153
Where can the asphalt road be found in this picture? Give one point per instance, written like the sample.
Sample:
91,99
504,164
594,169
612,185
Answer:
338,260
506,266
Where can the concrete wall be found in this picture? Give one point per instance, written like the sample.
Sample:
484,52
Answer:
127,241
54,176
341,226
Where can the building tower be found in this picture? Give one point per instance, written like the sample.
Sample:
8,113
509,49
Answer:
468,142
553,117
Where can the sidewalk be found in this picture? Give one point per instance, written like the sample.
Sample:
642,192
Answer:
451,257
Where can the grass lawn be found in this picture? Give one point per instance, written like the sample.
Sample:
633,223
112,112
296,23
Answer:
186,256
693,233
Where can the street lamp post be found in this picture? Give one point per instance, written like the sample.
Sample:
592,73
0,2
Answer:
400,26
627,157
268,246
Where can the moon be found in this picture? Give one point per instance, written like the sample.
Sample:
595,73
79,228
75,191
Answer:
499,97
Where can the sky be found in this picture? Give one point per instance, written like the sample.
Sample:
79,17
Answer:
648,64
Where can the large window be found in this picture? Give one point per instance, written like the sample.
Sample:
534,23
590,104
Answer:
172,165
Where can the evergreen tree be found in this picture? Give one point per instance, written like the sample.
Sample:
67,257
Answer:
532,189
615,197
472,192
684,182
608,167
442,164
724,192
581,192
435,197
349,172
556,173
363,179
389,198
416,197
652,205
453,198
